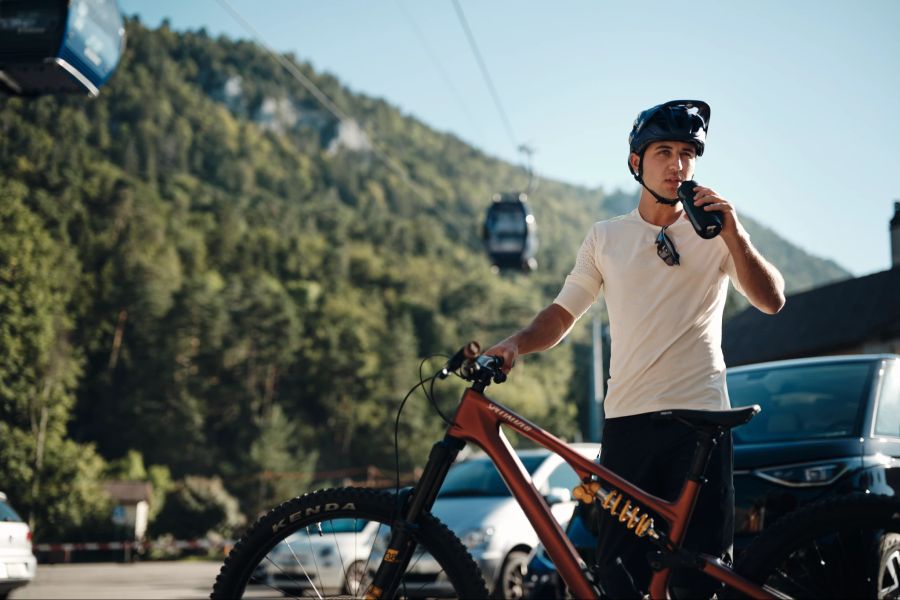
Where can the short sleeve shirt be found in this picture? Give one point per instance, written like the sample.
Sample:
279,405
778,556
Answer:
665,321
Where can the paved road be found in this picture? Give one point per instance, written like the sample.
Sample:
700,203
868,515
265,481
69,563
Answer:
164,580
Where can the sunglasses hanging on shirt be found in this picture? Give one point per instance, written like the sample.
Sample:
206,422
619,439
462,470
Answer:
665,249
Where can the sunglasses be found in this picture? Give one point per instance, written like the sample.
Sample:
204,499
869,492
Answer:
665,249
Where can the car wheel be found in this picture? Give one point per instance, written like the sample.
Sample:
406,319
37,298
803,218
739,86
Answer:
511,583
357,578
889,567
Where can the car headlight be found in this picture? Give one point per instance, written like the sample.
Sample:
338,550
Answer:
474,538
807,474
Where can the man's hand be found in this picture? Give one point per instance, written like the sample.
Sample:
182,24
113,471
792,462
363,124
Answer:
508,350
760,280
731,227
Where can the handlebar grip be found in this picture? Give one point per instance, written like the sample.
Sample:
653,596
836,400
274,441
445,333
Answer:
468,352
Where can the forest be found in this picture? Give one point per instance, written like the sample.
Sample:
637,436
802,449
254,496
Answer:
209,282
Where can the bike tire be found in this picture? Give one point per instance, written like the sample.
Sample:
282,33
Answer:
842,547
285,551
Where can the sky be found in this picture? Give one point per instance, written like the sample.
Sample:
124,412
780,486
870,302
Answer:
805,129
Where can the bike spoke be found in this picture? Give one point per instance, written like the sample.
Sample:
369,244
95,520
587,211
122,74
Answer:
840,563
823,565
297,560
371,553
313,554
436,576
288,575
339,553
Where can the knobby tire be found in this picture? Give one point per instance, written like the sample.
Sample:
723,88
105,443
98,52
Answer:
277,557
842,547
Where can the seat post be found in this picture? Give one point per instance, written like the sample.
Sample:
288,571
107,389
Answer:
706,441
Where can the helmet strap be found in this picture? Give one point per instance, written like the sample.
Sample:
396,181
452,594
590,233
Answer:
639,176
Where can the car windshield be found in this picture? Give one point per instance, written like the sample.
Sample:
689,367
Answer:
801,402
479,477
7,513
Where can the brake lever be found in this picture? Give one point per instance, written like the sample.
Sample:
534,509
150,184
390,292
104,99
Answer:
458,360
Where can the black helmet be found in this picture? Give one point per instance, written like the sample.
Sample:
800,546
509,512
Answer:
676,120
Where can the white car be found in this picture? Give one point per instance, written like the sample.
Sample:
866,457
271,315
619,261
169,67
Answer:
328,561
476,504
17,563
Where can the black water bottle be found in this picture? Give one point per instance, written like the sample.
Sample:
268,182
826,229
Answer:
707,224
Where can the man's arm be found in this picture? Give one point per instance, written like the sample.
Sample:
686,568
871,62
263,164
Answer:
760,280
762,283
545,331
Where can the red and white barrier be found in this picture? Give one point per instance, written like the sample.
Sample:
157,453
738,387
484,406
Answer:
176,544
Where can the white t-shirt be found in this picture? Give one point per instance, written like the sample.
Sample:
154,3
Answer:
665,321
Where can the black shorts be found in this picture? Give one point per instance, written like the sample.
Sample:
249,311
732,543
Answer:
655,454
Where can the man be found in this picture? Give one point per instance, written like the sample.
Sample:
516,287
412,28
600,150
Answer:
665,290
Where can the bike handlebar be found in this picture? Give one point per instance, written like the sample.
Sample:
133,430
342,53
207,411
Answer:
474,366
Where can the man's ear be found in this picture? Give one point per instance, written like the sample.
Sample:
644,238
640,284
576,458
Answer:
634,160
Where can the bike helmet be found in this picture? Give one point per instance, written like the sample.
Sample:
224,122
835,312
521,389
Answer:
677,120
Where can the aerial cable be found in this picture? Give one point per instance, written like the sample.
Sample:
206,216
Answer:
288,65
432,56
533,180
319,95
484,72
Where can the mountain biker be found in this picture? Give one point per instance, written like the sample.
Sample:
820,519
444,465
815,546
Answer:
665,290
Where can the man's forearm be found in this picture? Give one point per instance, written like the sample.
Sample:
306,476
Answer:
545,330
761,281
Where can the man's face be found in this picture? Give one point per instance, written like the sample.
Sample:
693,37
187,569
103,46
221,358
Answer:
666,165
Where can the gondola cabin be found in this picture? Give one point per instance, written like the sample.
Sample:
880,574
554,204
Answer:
510,233
59,46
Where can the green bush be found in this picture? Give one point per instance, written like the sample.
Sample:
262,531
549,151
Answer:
196,507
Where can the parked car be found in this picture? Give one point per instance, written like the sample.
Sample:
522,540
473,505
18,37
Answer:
828,426
476,504
340,553
17,563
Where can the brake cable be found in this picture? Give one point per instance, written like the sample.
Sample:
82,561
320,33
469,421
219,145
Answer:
429,396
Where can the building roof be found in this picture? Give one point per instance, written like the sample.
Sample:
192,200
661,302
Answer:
821,321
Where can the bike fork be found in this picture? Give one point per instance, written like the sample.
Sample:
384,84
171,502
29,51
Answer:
402,545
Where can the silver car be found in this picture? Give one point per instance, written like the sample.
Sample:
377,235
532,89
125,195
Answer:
17,563
476,504
330,560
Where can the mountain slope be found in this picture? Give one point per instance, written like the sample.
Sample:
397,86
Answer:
250,288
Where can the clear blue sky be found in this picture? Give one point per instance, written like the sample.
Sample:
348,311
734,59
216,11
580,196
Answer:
805,95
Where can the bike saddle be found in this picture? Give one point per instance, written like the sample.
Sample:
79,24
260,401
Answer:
711,419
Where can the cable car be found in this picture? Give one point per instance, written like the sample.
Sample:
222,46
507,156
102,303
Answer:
510,233
59,46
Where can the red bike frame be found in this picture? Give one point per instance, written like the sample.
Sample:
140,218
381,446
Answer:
478,420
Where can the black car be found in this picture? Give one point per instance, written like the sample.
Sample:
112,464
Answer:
828,426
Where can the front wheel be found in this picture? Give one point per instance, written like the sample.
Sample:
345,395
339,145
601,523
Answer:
329,544
844,547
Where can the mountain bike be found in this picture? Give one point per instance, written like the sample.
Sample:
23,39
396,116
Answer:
316,544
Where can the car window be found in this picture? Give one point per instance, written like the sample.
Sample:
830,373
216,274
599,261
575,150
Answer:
887,422
802,402
563,476
343,525
479,477
7,513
